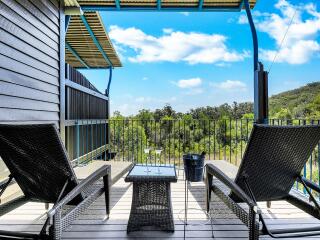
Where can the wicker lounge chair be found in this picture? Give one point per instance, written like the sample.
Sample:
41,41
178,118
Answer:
272,162
38,162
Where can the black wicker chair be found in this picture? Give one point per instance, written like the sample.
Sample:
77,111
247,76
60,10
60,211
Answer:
272,162
38,162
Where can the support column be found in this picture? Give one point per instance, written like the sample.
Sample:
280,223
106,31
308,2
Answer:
62,70
260,76
108,109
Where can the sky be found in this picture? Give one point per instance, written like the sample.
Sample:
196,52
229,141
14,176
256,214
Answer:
191,60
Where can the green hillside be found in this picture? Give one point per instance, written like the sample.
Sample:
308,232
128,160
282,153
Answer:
303,102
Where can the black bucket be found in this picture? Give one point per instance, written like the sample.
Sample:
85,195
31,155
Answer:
193,166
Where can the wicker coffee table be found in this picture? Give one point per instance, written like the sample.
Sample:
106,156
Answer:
151,197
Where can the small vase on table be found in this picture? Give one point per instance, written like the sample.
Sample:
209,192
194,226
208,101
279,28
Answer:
158,155
147,151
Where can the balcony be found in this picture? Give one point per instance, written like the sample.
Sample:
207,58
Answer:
224,141
92,225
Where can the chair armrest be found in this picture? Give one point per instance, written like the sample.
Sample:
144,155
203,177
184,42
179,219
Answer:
310,184
101,172
216,172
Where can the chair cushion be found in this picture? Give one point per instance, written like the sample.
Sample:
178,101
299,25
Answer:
38,161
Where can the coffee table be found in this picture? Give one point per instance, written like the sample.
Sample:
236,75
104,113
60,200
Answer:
151,197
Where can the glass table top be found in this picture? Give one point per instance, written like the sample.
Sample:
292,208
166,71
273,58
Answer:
151,170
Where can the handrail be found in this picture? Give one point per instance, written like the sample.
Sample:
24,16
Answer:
221,139
86,90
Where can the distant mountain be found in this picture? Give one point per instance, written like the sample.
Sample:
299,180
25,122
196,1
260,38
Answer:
299,103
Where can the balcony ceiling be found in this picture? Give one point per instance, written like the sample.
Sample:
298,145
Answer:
71,3
82,43
165,4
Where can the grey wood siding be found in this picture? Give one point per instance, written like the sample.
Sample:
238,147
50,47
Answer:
29,61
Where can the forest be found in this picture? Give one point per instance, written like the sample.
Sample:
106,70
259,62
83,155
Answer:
221,131
300,103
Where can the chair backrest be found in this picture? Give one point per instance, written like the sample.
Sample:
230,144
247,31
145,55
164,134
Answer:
38,161
274,158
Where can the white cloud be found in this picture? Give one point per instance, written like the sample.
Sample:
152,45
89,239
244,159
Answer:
301,42
185,13
143,99
222,64
167,30
145,78
230,20
299,53
153,100
195,91
243,19
176,46
138,103
189,83
230,85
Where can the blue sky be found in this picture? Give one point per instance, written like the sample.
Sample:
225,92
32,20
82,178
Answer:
198,59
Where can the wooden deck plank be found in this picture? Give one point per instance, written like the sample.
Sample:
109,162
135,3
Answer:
118,169
92,226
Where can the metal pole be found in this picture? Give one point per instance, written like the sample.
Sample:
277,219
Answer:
109,82
107,93
78,141
257,86
254,35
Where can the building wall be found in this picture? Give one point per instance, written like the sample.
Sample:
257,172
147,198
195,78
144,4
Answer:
29,61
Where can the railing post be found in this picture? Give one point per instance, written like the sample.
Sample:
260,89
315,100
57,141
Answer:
105,140
77,141
319,161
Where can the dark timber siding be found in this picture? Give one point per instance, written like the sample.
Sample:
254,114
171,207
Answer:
29,62
81,105
92,132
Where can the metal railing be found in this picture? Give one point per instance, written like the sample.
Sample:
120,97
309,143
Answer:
86,140
223,139
129,138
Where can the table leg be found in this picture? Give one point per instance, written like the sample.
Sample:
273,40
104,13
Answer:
151,206
185,209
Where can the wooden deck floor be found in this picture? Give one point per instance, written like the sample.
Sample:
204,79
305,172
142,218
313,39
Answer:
91,225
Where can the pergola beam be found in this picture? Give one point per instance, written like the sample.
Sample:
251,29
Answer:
200,4
117,4
74,53
241,5
95,40
162,9
67,21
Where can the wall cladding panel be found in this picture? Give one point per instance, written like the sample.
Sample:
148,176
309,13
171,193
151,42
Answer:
29,63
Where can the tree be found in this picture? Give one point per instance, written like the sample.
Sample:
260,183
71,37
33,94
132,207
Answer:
145,115
283,114
117,115
313,108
